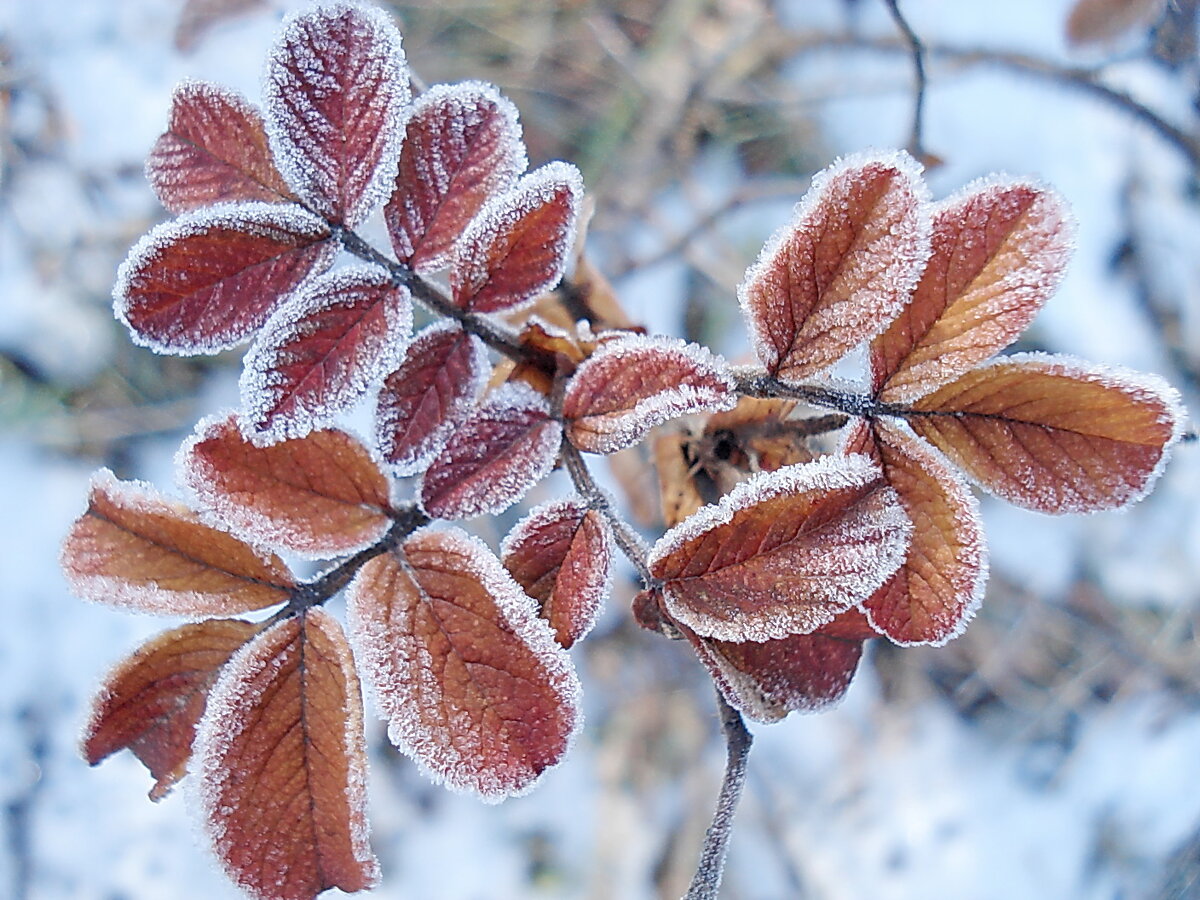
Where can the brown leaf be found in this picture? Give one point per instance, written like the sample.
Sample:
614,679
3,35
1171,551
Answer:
214,150
134,548
208,280
283,758
1103,22
562,554
340,334
631,384
462,145
842,270
506,447
319,495
679,493
999,252
470,679
336,90
769,679
933,595
783,553
517,247
200,16
431,392
1053,434
150,703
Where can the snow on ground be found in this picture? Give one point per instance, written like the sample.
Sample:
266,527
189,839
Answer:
873,799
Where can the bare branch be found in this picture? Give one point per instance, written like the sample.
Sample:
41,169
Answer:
916,144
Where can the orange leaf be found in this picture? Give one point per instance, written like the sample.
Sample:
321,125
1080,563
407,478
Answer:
769,679
134,548
933,595
1053,434
561,554
999,250
783,553
318,495
471,681
842,270
282,753
214,150
150,703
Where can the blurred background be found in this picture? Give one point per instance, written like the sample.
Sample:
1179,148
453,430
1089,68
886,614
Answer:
1050,752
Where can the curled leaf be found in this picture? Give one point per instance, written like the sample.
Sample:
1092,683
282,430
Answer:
214,150
562,555
842,270
1053,434
319,495
999,251
134,548
208,280
631,384
783,553
283,760
470,679
150,703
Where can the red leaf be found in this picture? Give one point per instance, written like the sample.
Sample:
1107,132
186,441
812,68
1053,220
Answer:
208,280
282,753
1053,434
470,679
321,350
632,384
783,553
150,703
134,548
506,447
430,394
336,92
769,679
214,150
320,495
516,248
562,555
462,145
933,595
842,270
999,250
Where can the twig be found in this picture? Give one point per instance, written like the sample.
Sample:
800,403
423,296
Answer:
916,144
707,880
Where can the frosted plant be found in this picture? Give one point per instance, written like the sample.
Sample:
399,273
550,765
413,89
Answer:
777,563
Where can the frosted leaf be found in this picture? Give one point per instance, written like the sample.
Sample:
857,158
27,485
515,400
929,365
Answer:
767,680
1052,433
336,91
429,395
151,701
784,552
632,384
999,251
462,145
935,592
517,246
321,351
562,556
471,681
208,280
282,758
134,548
214,150
320,495
504,448
842,270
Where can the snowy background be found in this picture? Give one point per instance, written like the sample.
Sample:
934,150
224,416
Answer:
1049,752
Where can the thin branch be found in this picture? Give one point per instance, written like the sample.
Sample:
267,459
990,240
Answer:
916,144
707,880
627,539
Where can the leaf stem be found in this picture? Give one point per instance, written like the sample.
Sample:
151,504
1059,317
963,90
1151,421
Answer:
707,880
